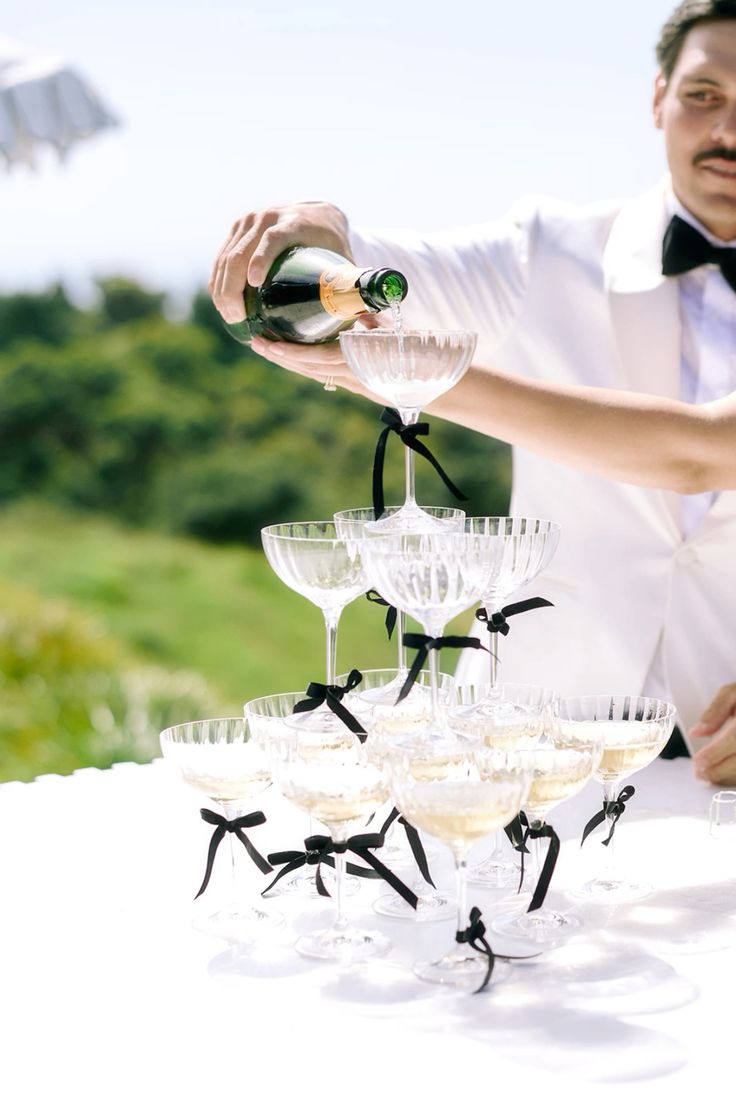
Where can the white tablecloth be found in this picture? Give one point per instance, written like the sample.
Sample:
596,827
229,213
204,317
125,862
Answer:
108,993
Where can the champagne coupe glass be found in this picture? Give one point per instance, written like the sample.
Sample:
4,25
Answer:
267,717
432,577
222,760
521,714
633,731
408,369
351,524
523,548
336,782
562,763
312,559
384,720
458,793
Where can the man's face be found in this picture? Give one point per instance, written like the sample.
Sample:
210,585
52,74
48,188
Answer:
696,109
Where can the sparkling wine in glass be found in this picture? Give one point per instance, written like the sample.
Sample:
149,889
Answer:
267,717
384,720
340,787
459,794
633,731
221,759
408,369
561,766
520,716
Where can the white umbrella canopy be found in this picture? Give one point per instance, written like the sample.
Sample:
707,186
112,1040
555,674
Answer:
43,101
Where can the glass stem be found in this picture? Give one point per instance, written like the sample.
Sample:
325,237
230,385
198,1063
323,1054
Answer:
331,619
409,417
535,857
461,880
399,630
609,872
434,680
339,835
493,640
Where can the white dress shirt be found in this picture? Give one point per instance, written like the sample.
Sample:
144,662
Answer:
708,358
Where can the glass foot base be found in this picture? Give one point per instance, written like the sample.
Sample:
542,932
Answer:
542,926
237,925
613,890
460,968
410,518
495,874
306,884
431,907
343,945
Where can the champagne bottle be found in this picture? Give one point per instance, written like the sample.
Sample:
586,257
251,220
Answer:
311,294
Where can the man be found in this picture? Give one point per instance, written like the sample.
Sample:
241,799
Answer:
644,581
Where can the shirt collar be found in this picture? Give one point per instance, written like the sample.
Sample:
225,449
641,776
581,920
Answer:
674,207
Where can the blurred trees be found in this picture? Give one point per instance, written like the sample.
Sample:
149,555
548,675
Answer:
171,424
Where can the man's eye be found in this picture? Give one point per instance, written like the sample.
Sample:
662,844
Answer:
701,97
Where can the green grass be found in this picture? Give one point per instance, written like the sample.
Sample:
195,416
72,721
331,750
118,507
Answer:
179,603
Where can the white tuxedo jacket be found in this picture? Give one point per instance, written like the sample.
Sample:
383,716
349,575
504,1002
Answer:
576,294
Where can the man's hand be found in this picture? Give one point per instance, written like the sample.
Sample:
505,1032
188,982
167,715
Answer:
716,762
317,362
256,240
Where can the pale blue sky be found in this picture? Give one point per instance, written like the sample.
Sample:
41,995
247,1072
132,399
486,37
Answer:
407,113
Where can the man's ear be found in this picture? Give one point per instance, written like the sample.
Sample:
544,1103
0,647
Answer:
660,87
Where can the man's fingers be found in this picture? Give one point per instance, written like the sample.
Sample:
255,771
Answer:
717,713
723,773
230,274
718,749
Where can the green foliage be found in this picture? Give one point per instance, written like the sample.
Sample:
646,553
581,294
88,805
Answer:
71,695
175,434
173,424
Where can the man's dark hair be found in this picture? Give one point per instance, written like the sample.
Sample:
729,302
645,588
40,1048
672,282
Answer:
687,15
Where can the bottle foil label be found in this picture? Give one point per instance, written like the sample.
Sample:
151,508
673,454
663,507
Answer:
338,292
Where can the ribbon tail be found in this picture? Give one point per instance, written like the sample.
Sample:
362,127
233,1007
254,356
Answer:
411,678
379,502
547,870
388,876
422,449
417,850
288,869
254,854
592,824
217,838
484,949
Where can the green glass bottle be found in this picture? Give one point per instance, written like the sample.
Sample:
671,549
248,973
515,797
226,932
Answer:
311,294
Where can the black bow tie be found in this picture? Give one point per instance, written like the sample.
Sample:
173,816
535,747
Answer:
685,248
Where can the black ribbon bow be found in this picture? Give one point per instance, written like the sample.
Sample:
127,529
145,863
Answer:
496,623
474,935
312,855
515,834
374,596
427,644
320,849
318,694
415,843
685,248
612,809
538,831
222,827
408,434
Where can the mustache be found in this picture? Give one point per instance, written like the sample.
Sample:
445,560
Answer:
716,151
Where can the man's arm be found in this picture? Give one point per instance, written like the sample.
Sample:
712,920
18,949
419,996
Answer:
642,439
